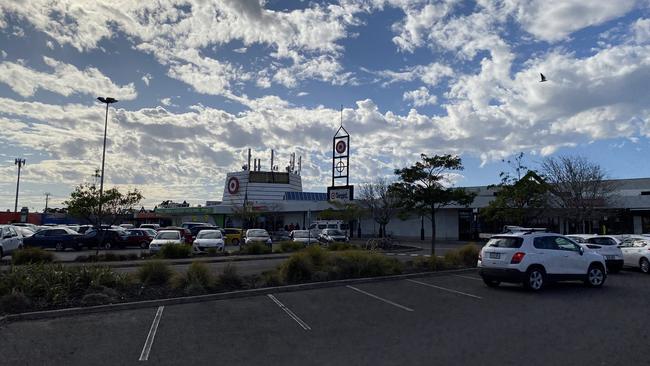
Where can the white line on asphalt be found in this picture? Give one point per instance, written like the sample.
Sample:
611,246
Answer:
380,298
144,356
468,277
445,289
293,316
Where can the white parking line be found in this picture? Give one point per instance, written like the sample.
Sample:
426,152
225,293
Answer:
293,316
380,298
144,356
469,277
445,289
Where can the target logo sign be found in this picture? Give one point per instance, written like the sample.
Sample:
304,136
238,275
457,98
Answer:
341,147
233,185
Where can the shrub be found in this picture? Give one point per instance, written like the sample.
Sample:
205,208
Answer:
290,246
353,264
31,255
271,278
340,246
175,251
255,248
196,277
15,302
429,263
298,268
229,278
469,255
154,273
453,259
96,298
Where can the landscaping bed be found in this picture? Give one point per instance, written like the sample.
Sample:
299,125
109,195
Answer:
44,286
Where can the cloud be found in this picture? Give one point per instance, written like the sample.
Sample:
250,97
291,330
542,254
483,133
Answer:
146,78
430,74
65,80
419,97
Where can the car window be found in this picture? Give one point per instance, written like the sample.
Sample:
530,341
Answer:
332,226
257,232
640,243
12,232
627,243
4,232
577,239
565,244
322,226
312,226
602,241
545,242
505,242
57,232
209,234
169,235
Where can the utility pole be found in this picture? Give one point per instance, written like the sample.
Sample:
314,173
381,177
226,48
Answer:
20,162
47,199
107,101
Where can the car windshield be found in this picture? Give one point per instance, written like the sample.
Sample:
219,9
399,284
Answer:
209,234
301,234
505,242
169,235
257,232
577,239
334,232
602,241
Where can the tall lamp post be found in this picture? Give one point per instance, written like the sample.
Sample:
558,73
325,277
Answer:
107,101
20,162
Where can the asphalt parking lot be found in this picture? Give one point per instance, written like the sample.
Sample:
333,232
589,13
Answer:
443,320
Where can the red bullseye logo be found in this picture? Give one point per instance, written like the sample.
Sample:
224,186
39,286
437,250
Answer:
340,147
233,185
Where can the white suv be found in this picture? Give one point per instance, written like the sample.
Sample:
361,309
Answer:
537,258
605,245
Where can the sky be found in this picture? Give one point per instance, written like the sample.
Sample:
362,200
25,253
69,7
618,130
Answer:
201,81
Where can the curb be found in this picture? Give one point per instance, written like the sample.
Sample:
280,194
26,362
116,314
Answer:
49,314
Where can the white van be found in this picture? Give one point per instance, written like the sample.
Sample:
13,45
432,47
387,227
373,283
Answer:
318,226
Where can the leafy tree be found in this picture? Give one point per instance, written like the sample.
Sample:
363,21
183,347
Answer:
522,195
246,213
380,201
424,187
578,187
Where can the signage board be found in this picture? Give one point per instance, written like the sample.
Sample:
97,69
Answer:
341,193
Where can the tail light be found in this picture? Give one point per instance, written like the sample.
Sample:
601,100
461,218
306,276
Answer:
517,258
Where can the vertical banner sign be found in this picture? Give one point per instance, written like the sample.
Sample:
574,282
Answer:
341,190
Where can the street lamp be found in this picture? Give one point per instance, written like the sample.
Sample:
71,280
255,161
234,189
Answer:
20,162
107,101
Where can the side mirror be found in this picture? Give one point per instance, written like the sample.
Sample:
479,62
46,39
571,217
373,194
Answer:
582,250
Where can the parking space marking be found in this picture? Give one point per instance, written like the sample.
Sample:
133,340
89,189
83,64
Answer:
144,356
469,277
291,314
380,298
445,289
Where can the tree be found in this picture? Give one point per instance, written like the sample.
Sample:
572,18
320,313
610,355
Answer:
381,202
424,187
246,213
577,186
84,203
521,197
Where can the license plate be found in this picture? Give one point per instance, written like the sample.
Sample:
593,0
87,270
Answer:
495,255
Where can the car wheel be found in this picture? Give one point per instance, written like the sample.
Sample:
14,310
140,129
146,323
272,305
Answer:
645,265
535,279
595,276
108,245
144,245
59,247
490,282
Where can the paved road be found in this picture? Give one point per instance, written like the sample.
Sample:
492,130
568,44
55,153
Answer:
449,320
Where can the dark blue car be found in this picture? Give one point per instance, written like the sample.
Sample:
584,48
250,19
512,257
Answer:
58,238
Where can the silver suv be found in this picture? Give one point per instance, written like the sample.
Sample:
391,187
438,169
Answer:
534,259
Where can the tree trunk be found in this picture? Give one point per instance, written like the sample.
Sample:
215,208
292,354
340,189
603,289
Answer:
433,233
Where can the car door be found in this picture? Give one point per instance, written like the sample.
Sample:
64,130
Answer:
15,240
639,248
548,254
570,259
627,247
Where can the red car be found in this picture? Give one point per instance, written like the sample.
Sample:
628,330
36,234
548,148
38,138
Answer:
185,233
139,237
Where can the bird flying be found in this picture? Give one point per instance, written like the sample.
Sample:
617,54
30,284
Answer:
543,78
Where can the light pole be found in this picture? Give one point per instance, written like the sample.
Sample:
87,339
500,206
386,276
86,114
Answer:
107,101
20,162
47,200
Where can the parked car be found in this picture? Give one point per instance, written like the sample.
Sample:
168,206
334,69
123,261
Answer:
152,232
605,245
534,259
25,231
83,228
10,240
280,235
127,226
206,239
304,237
233,236
189,225
196,229
185,233
150,226
257,236
636,253
58,238
333,235
165,237
112,238
26,224
139,237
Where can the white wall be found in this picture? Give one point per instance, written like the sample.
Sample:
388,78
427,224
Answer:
446,226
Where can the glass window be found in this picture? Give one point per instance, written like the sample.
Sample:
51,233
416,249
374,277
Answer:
322,226
640,243
545,242
209,234
505,242
565,244
332,226
169,235
602,241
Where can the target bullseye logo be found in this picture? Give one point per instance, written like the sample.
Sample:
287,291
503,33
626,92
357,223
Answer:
341,147
233,185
